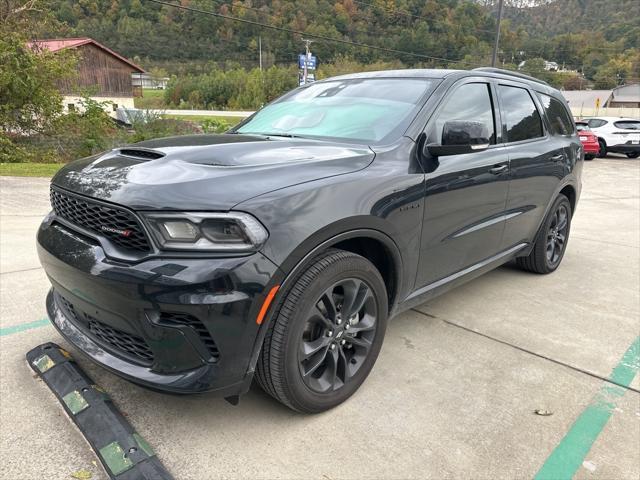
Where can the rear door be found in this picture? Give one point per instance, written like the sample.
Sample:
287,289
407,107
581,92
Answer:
465,194
538,161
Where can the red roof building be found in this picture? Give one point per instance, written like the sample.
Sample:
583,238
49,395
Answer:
101,71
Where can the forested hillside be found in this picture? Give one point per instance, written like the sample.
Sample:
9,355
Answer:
434,28
615,20
579,33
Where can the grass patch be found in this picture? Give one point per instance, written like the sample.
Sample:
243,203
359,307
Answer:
153,99
29,169
199,118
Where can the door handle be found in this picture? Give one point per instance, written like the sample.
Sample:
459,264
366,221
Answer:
498,169
558,157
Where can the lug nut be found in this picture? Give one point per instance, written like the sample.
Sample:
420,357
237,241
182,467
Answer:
347,326
329,333
333,346
338,320
343,341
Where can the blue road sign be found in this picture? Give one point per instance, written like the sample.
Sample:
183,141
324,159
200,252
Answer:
311,61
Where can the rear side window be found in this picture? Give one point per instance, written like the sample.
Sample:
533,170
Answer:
560,121
520,115
627,124
596,122
471,101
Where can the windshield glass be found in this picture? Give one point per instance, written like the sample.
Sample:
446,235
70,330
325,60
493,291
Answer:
367,110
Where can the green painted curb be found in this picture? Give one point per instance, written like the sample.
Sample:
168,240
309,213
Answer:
24,326
569,454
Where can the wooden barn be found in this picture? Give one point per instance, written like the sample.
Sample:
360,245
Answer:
101,71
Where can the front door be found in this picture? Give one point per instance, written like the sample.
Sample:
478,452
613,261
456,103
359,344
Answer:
465,194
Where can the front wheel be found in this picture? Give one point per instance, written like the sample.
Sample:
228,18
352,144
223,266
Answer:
551,241
327,333
633,154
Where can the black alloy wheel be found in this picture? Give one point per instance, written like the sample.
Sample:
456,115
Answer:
327,331
338,335
557,235
550,243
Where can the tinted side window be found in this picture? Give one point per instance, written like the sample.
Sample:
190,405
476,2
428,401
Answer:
519,113
560,121
470,102
595,123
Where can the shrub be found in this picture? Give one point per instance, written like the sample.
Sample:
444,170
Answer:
214,125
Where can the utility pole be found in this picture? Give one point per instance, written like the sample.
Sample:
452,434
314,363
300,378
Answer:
306,57
495,45
260,49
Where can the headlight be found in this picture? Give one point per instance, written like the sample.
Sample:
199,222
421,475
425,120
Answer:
223,232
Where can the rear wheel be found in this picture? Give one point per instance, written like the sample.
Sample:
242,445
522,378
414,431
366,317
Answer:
633,154
551,241
327,333
603,148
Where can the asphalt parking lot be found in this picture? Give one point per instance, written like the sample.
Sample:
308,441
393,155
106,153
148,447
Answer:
452,395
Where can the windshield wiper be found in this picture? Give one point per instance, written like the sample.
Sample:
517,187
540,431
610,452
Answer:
275,134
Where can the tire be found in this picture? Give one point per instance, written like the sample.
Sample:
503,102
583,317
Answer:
539,260
603,148
307,318
589,156
633,155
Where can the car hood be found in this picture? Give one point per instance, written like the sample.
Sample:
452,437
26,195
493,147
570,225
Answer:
207,172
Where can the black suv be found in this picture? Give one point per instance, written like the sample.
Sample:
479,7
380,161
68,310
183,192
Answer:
280,249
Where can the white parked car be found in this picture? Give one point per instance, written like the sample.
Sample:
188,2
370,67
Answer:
616,134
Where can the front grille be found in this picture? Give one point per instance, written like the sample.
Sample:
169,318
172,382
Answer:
125,343
118,225
175,318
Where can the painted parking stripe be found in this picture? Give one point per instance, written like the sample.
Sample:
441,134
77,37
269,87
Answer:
24,326
569,454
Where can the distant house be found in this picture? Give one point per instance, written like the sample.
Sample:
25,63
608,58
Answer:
146,80
548,66
103,72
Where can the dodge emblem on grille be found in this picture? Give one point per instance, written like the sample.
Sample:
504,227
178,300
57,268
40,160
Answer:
124,233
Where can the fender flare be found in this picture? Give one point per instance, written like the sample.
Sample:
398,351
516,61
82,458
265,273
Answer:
299,263
567,183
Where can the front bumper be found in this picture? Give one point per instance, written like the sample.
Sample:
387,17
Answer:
181,325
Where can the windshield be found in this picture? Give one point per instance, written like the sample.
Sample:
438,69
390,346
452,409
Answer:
368,110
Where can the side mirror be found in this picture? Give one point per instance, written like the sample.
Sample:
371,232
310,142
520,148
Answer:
459,137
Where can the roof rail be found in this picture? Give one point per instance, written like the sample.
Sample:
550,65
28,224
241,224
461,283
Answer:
510,73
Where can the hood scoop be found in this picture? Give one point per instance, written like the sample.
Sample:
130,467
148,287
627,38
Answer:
141,153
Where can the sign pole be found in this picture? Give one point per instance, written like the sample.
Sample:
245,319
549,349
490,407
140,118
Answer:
495,45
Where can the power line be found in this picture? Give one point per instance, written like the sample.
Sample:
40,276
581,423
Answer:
313,35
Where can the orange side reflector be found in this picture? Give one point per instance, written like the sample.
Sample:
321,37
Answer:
265,305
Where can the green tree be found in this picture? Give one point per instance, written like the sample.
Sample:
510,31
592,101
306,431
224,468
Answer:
29,99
